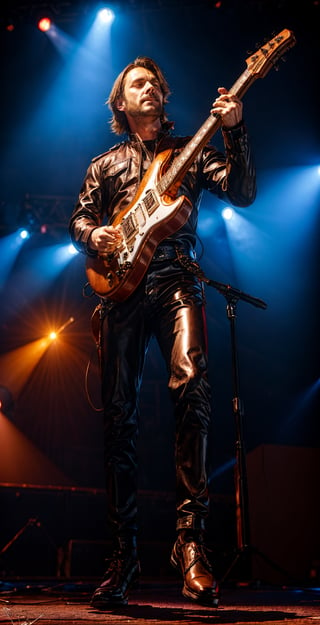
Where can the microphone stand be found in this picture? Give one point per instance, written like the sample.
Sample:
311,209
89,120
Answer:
232,296
244,549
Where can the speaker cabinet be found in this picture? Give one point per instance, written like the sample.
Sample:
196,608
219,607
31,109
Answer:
284,512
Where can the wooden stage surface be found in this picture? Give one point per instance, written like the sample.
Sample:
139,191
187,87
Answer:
155,602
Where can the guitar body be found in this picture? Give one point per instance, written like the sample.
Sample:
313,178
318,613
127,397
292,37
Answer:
147,221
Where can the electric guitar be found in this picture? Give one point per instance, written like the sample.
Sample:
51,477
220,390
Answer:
156,212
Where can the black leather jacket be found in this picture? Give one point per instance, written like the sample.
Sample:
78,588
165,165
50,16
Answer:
113,178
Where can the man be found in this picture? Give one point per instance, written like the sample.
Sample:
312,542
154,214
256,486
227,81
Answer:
167,302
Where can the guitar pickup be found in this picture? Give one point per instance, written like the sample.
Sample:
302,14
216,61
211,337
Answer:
129,227
140,216
150,202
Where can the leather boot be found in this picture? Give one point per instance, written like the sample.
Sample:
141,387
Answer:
190,559
122,572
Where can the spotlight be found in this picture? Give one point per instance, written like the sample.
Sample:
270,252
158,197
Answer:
106,16
44,24
72,250
227,213
24,233
10,26
53,335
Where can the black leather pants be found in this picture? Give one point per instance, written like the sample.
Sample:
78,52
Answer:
169,305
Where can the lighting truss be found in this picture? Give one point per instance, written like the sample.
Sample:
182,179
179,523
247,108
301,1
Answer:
46,213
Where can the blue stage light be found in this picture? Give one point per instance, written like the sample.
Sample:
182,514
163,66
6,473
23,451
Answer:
227,213
72,250
24,233
106,15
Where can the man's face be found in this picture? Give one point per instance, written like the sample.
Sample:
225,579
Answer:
142,95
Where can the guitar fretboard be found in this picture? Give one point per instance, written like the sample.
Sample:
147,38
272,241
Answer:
182,162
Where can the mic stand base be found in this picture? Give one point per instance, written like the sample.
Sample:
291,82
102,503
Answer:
242,568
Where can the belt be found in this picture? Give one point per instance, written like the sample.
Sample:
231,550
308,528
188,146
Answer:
170,252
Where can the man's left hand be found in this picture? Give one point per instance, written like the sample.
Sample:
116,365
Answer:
228,107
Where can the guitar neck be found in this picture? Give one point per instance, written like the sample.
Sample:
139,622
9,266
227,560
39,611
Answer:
171,180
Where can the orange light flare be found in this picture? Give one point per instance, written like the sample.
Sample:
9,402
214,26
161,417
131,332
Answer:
44,24
53,335
17,365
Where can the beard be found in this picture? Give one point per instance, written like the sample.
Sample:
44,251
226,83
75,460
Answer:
148,108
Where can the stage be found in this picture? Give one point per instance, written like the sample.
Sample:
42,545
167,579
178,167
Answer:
157,602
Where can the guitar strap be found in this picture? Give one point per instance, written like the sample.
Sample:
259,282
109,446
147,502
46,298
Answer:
191,265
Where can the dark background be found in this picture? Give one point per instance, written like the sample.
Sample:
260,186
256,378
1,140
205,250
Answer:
53,122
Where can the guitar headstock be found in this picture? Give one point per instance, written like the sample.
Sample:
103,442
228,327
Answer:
266,57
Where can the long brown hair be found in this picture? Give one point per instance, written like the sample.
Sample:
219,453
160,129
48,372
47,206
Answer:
119,123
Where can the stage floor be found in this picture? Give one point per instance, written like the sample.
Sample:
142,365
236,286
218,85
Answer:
156,602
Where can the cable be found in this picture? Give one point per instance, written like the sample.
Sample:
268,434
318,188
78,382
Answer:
87,386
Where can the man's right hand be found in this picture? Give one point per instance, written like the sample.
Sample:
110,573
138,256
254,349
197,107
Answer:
106,239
